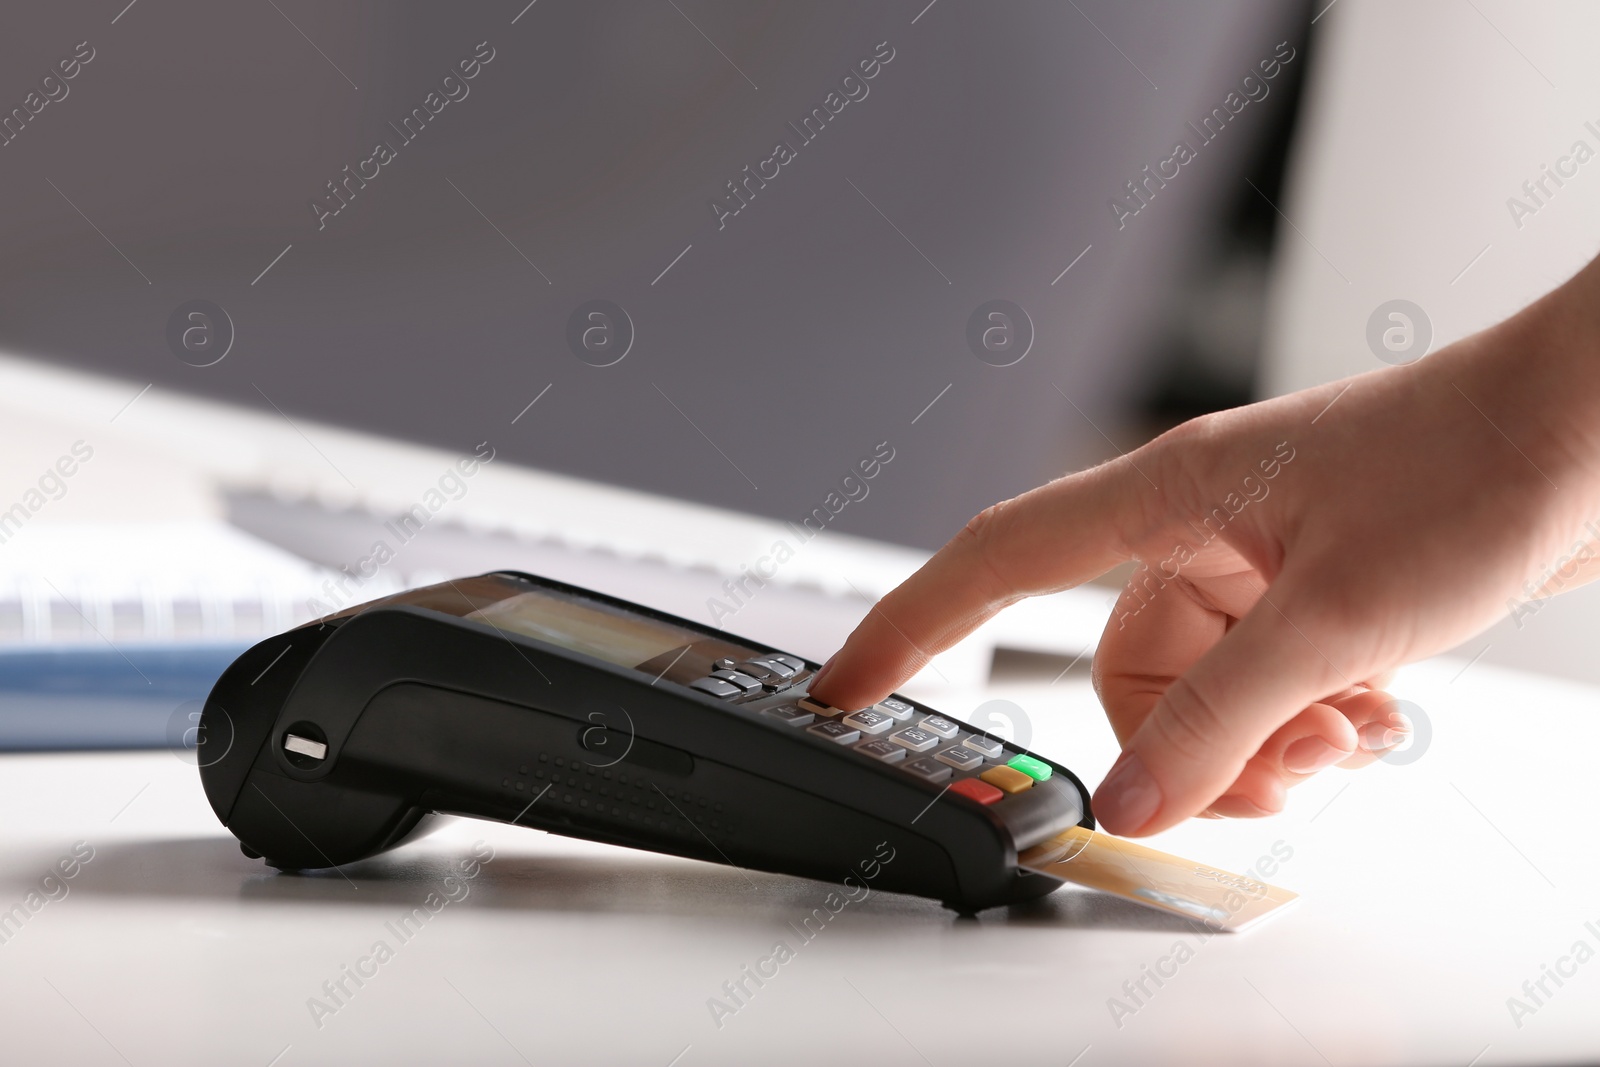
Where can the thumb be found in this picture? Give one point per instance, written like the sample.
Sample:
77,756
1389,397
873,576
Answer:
1209,722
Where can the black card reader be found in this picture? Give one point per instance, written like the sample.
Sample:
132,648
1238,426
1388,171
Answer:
529,701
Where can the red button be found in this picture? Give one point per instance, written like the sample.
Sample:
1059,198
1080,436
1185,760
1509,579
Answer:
982,792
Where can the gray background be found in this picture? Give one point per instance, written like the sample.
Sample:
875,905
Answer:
794,339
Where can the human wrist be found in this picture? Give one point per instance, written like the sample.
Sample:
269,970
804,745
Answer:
1539,372
1567,324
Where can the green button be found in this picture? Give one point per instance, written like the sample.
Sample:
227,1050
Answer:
1038,770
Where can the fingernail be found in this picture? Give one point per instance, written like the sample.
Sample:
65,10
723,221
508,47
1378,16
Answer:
1310,755
1233,806
1382,736
1128,798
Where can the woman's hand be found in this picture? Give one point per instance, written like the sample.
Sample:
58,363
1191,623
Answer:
1291,553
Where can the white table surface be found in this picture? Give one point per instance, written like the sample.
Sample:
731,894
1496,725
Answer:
1431,891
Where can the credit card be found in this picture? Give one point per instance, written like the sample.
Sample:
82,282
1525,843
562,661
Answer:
1168,883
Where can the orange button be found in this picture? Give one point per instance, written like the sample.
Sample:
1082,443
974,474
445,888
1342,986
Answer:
982,792
1008,779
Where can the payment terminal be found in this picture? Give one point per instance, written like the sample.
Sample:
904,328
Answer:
528,701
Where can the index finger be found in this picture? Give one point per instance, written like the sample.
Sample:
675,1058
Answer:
1048,539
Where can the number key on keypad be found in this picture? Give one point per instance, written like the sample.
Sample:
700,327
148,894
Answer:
882,749
790,715
897,708
988,746
960,757
835,731
869,721
915,738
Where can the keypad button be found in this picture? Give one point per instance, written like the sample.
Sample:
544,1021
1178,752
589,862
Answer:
870,721
986,746
959,757
756,670
899,709
817,706
793,661
928,769
1037,769
724,664
915,738
790,715
973,789
743,681
1007,779
836,732
938,724
884,750
716,687
763,667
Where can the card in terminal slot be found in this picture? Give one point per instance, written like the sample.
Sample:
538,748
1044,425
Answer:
1155,879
